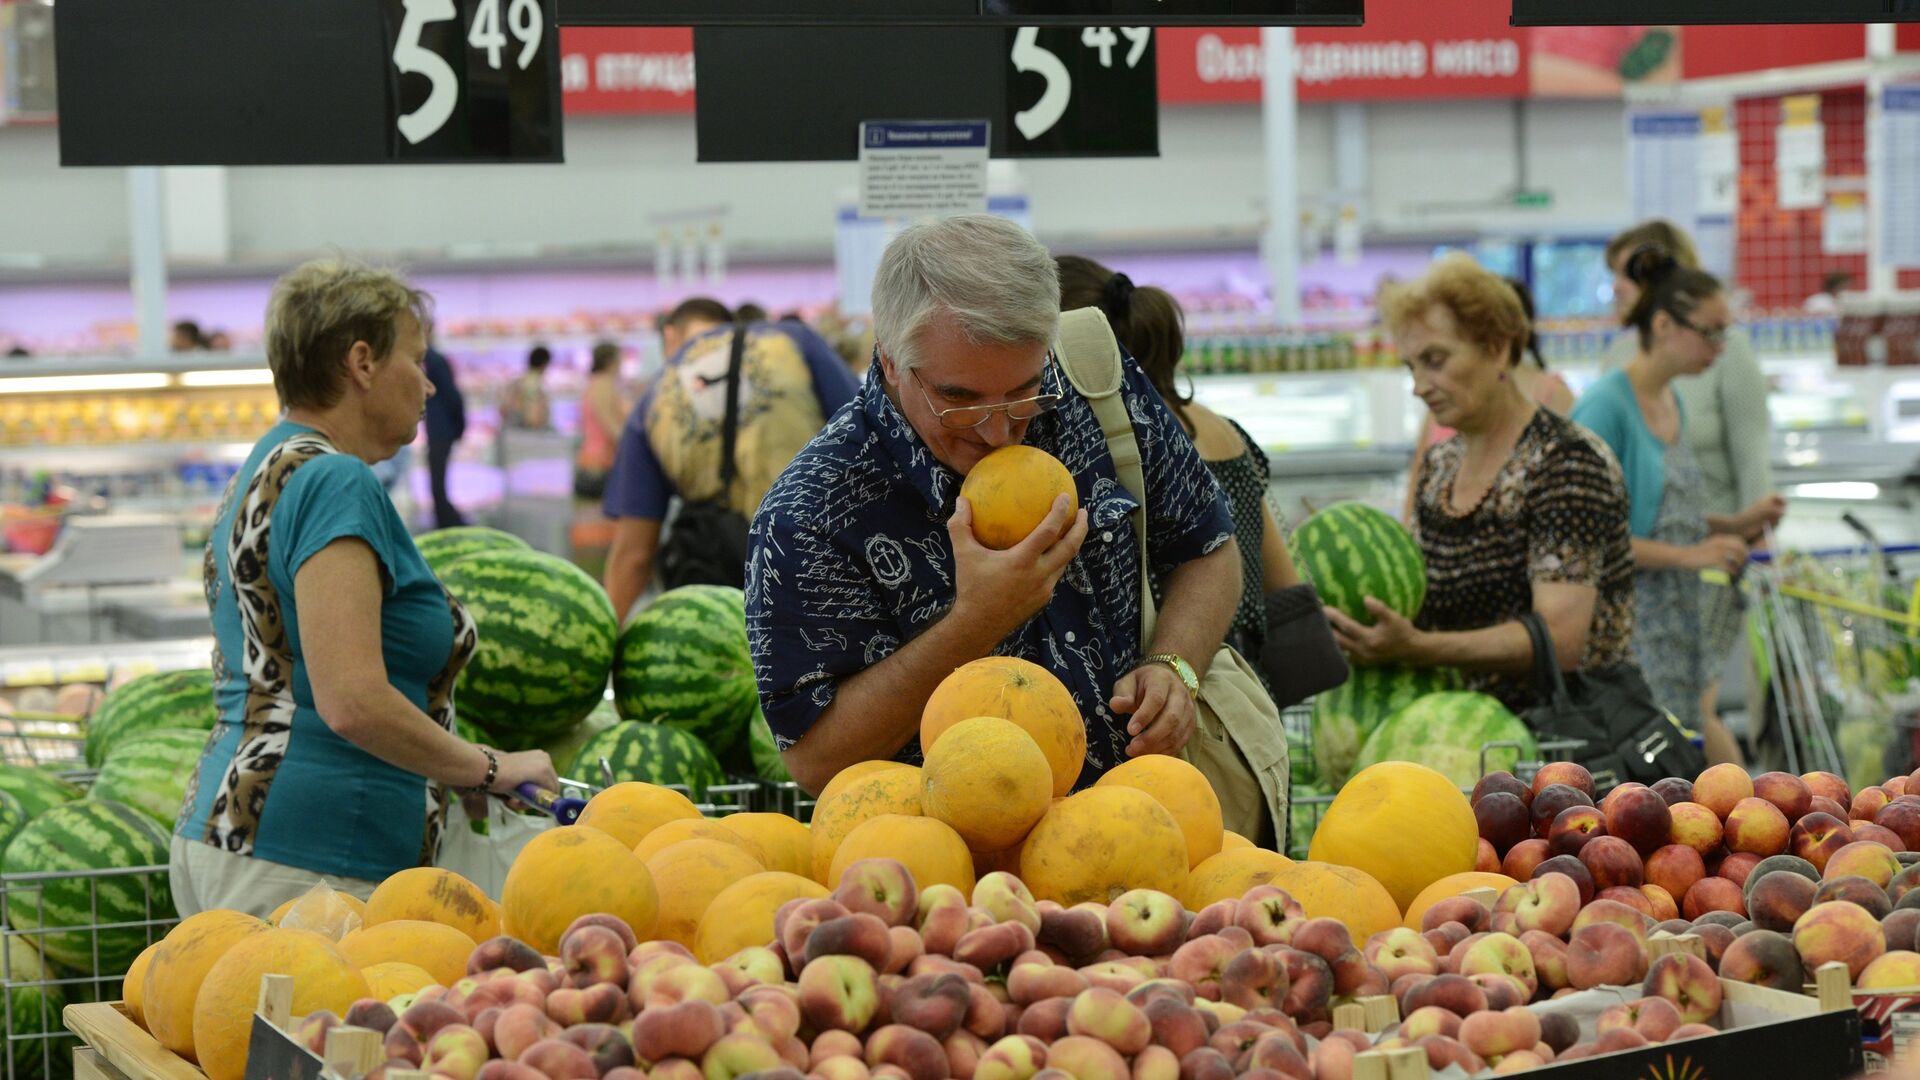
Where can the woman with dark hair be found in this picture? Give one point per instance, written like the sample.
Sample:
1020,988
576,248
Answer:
602,414
524,405
1680,317
1151,327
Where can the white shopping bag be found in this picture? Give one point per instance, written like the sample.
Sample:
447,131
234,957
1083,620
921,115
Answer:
482,850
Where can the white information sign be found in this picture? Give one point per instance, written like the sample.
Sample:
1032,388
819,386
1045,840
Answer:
1899,163
923,168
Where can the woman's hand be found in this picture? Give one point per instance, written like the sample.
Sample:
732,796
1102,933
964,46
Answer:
1391,637
1719,552
1765,513
524,767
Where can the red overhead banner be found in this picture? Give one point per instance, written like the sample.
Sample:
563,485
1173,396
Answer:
625,70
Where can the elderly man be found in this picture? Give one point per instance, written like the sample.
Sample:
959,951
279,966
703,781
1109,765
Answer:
866,585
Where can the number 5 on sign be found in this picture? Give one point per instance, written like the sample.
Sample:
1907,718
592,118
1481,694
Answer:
1031,57
412,57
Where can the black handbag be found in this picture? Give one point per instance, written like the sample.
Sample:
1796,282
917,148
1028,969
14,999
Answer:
1299,657
707,542
1623,733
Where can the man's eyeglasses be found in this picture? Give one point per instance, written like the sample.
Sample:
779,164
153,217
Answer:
1715,335
972,416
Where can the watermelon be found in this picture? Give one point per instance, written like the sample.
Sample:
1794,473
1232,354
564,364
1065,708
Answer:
13,817
652,753
767,762
1345,716
149,772
38,790
683,661
38,1045
546,644
1351,551
84,838
1304,816
441,546
565,747
164,699
1445,732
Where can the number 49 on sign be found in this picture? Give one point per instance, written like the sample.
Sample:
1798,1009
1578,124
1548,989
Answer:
487,33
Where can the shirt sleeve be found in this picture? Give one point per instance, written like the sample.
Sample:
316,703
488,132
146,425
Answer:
833,381
1747,426
1576,510
332,497
1187,514
637,487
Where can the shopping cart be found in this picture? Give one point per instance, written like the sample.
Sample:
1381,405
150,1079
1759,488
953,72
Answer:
43,740
34,989
1835,636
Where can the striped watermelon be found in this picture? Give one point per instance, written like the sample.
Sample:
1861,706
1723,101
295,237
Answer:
1445,732
442,546
13,817
767,762
1306,802
164,699
1351,551
149,772
684,661
32,1011
1345,716
652,753
37,789
546,644
81,837
564,748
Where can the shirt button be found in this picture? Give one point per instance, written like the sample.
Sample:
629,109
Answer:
1106,537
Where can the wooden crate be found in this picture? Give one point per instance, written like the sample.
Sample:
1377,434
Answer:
123,1045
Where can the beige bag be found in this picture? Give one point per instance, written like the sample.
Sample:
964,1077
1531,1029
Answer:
1238,741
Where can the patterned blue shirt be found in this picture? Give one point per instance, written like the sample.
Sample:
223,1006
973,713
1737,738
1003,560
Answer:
850,556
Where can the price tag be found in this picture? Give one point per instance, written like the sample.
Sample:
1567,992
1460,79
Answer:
28,674
473,79
1082,91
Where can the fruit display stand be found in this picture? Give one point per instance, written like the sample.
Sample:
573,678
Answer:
115,1047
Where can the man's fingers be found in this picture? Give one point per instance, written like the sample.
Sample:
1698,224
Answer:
1045,534
1153,703
1056,558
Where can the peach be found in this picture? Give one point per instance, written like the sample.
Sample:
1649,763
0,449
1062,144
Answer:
1178,1027
1567,773
1256,979
502,1069
1640,817
1431,1020
1615,1041
1756,826
1455,993
1675,867
1628,895
1605,954
1674,789
1764,958
1045,1020
934,1003
601,1004
1899,969
1737,867
1078,933
1880,834
1901,928
795,921
1201,963
1205,1063
1028,983
1661,903
964,1050
1503,991
1146,922
1712,894
1443,1052
1721,787
1866,859
942,914
986,1013
1015,1057
1692,1031
1654,1018
1559,1031
1697,827
1574,827
1902,818
1122,976
1817,837
1156,1063
1687,982
1266,912
1086,1058
1464,910
1867,803
916,1052
1574,869
1828,785
605,1044
1549,958
1105,1015
882,888
1309,994
562,1060
841,993
1401,951
1838,931
1549,902
1612,911
1776,900
1501,954
505,952
1518,1062
1786,791
1523,857
520,1026
1835,810
1503,820
1549,803
1855,889
1612,861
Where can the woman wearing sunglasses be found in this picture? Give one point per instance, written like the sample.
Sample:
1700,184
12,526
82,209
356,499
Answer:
1681,318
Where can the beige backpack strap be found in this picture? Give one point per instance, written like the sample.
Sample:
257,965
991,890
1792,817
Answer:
1090,356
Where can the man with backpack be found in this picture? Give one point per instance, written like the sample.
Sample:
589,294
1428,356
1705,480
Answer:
734,404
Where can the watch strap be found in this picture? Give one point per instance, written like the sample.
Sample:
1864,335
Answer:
1181,667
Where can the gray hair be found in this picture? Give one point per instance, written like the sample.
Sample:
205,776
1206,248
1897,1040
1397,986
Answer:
316,313
985,272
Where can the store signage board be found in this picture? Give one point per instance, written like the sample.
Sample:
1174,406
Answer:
963,12
1059,92
923,168
1899,163
308,82
1663,161
1709,12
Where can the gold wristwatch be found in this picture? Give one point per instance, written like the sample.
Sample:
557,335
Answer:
1181,668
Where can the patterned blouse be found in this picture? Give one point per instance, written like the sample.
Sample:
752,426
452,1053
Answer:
1556,513
849,555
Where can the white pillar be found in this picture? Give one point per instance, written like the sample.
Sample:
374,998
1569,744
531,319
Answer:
1279,118
198,217
147,229
1881,48
1350,176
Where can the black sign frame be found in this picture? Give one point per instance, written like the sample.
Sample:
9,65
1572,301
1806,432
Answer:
1710,12
1010,13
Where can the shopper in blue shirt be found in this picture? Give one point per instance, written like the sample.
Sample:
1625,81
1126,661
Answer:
866,585
336,648
791,380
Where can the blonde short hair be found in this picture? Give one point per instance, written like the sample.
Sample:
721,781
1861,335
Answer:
317,312
1485,308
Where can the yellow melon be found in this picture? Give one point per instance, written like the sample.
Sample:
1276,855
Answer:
1453,885
133,988
931,850
859,770
1019,691
742,914
1012,490
1230,840
787,843
1186,794
1102,842
676,832
333,914
689,875
323,978
1403,824
986,778
1340,892
629,811
884,791
578,870
180,965
1228,875
440,949
391,979
430,894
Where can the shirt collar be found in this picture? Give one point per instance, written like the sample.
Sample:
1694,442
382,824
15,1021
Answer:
935,482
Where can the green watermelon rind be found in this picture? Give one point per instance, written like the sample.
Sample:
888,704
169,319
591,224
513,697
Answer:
684,661
88,836
1351,551
150,771
161,699
442,546
38,790
547,634
1446,732
649,753
32,1008
1344,717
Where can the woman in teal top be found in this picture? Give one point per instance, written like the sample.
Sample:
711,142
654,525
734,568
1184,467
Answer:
1681,319
336,648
